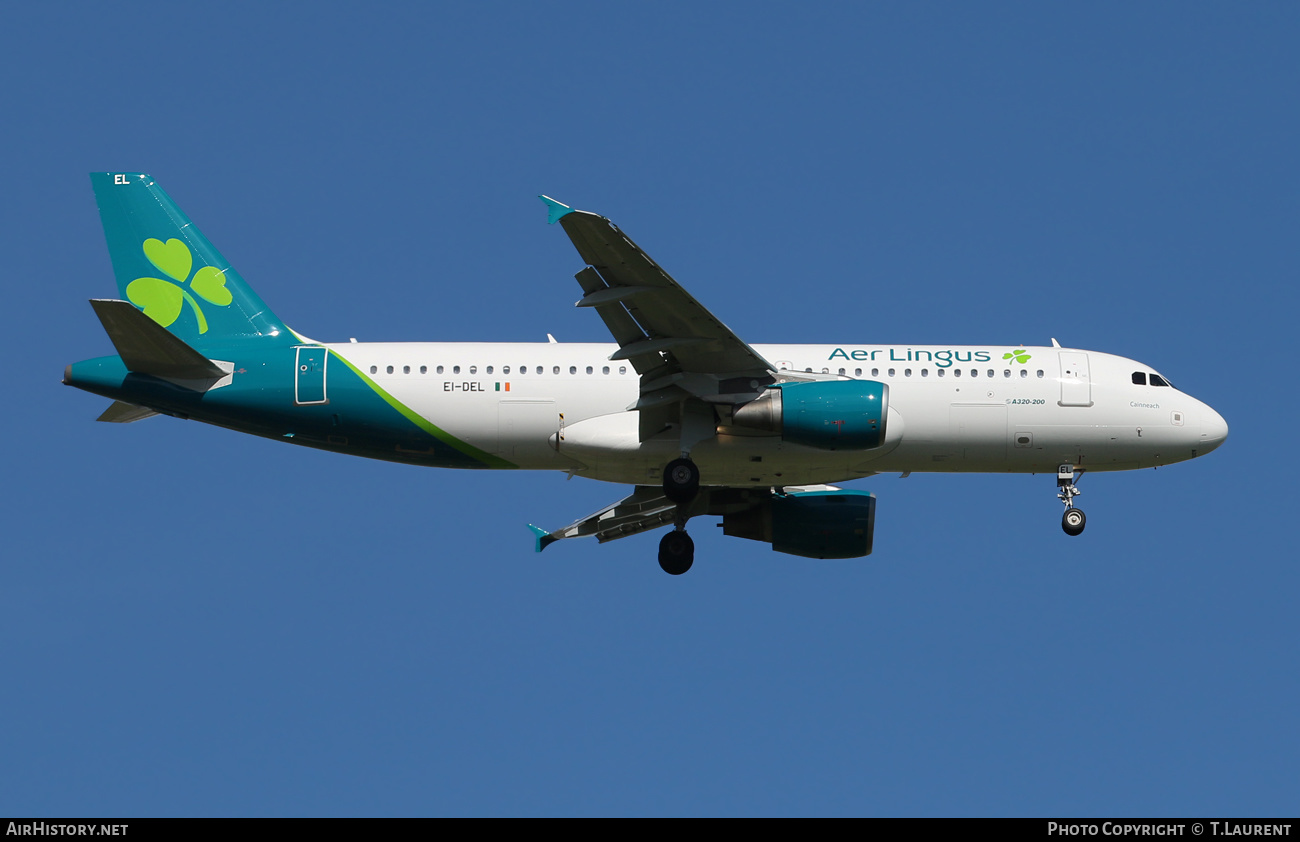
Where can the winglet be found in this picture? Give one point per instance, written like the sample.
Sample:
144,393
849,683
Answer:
554,210
544,538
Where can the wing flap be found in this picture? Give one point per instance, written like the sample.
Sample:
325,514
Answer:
621,325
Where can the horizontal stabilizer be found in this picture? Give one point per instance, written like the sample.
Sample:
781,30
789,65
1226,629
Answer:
121,412
147,347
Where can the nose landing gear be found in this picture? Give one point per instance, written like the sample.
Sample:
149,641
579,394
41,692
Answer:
1073,520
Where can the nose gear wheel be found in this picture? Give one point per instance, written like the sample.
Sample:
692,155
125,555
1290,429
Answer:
1073,520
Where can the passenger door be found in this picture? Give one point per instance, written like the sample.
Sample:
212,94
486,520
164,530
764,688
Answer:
1076,386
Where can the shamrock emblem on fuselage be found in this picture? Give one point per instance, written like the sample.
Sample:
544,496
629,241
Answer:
163,300
1018,355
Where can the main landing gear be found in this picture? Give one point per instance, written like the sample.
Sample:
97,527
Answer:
676,552
1073,520
681,484
681,481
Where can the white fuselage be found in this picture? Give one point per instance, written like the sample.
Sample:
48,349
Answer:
563,406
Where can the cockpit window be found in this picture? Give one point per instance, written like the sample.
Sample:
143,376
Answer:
1157,380
1139,378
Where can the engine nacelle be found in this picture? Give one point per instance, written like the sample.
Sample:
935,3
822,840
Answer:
812,524
828,415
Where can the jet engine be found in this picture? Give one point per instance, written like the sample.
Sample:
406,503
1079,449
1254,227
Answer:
828,415
812,524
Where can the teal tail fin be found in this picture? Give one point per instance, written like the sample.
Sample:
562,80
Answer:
166,267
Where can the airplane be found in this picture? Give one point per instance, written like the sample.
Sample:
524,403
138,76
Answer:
698,421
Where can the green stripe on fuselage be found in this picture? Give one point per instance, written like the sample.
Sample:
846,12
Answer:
361,418
487,459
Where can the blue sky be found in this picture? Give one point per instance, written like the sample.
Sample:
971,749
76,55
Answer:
193,622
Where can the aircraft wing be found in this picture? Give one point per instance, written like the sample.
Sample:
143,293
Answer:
645,508
680,349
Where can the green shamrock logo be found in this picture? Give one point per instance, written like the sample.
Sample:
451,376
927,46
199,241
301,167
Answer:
163,300
1018,355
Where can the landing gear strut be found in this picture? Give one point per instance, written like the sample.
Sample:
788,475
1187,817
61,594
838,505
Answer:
681,485
681,480
1073,520
676,552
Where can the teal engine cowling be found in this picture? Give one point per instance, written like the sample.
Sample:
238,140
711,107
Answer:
828,415
812,524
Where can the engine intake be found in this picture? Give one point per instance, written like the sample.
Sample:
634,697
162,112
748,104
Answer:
828,415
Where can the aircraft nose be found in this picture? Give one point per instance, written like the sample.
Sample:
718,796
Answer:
1214,430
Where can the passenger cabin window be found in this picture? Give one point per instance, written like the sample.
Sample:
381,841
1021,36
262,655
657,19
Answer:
489,369
1139,378
539,369
390,369
573,369
622,369
455,369
1024,372
406,369
439,369
956,372
1040,374
424,369
374,369
505,369
555,369
875,372
1157,380
589,369
604,370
